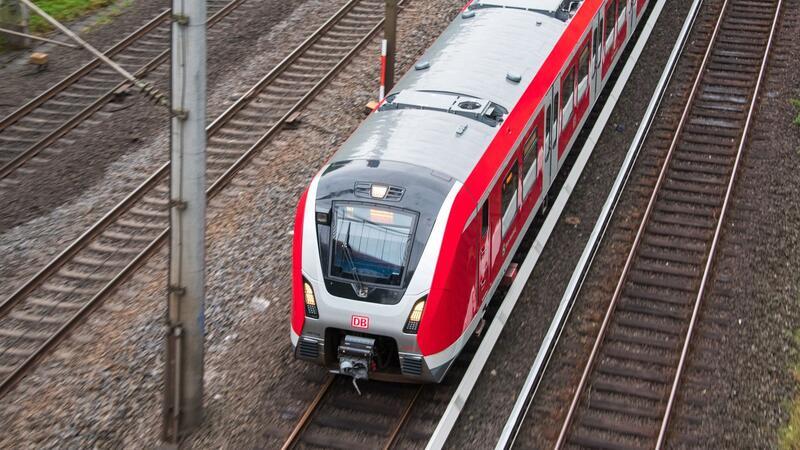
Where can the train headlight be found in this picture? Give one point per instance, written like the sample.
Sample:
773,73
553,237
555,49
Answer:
412,324
311,302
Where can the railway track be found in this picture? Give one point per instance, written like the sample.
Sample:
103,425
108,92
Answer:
630,383
27,134
338,417
63,293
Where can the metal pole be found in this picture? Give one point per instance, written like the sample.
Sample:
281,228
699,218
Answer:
183,397
12,17
36,38
147,88
390,34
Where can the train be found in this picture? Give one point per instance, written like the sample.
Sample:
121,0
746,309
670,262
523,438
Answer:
404,235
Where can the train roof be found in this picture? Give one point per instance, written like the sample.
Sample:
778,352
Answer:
488,59
476,55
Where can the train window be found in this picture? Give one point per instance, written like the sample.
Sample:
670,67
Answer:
485,218
621,11
583,72
529,168
609,22
509,197
567,89
597,37
547,123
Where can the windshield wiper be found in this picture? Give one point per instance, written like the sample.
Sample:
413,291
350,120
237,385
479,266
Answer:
361,288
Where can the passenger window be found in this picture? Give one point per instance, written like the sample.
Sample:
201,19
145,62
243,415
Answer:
621,11
547,122
583,72
609,31
598,37
485,218
567,89
529,155
509,197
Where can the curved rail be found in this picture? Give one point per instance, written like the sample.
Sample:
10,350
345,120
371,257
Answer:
42,311
98,89
640,333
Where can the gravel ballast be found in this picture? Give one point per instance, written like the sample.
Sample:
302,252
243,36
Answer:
738,377
487,408
108,392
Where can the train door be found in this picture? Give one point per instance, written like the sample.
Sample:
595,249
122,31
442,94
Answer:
551,138
597,56
484,253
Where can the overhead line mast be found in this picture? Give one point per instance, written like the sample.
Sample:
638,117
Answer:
183,383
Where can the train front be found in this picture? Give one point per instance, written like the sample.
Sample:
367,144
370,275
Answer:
365,247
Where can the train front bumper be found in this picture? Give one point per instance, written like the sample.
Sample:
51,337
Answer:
411,368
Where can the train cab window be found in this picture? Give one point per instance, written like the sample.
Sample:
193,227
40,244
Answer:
509,197
485,218
610,20
567,97
529,167
371,244
583,72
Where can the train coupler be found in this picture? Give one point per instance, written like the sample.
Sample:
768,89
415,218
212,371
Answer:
356,357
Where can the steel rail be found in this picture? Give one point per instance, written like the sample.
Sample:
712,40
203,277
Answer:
492,335
151,183
717,233
639,234
641,231
26,155
547,349
403,419
163,171
81,72
305,419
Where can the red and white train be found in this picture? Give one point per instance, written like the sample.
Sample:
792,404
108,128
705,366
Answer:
403,237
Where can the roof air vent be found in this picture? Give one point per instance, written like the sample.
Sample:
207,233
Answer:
513,77
422,65
468,14
469,105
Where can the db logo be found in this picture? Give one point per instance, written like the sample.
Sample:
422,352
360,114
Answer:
359,322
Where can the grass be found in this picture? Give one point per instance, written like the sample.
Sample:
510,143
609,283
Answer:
789,436
796,104
63,11
69,10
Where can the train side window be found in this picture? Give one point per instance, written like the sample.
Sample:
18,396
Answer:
485,218
567,91
529,168
547,123
621,6
597,38
610,21
583,72
509,197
